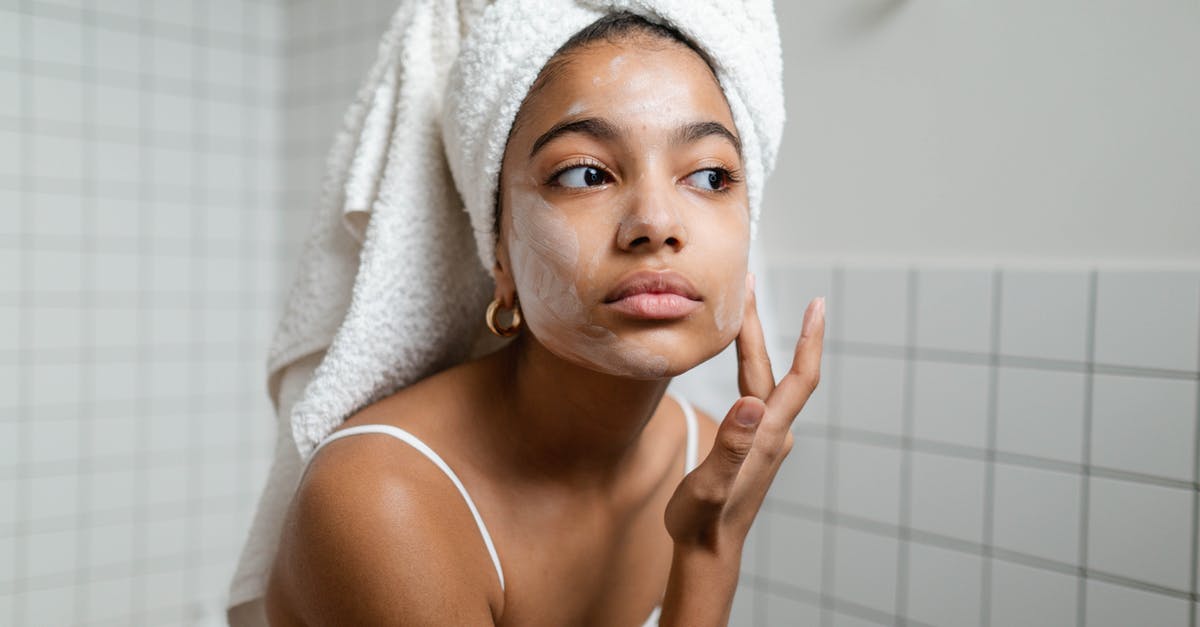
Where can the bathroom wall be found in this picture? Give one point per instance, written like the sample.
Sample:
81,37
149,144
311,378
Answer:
993,197
140,247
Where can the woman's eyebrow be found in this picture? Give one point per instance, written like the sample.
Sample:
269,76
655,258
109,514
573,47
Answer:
598,128
696,131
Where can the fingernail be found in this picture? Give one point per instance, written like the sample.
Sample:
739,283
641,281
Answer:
750,281
821,307
748,414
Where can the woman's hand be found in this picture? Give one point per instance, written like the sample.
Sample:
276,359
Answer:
711,511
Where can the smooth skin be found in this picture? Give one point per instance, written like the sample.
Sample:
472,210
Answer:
573,457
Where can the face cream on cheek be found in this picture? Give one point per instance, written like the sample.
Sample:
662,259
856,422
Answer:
544,250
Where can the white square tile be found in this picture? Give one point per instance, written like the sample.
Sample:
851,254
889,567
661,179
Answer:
950,403
166,537
119,381
172,113
173,59
795,545
56,158
12,33
116,272
117,50
870,393
1111,605
56,327
11,210
57,99
954,310
787,612
1140,531
1148,319
169,484
118,162
110,598
57,270
1031,597
171,327
943,586
875,305
109,544
12,147
113,490
947,496
57,41
50,553
801,477
742,612
1037,512
8,496
1040,413
1044,314
1144,425
865,569
171,167
181,12
118,106
12,90
55,384
50,606
787,290
53,440
868,481
53,496
847,620
57,214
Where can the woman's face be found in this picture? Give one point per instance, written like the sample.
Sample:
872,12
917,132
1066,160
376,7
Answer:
624,226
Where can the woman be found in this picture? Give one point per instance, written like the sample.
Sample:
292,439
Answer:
623,233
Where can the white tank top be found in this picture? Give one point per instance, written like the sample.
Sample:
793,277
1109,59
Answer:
396,432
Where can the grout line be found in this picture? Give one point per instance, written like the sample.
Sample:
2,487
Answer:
198,351
908,422
22,505
1085,488
1195,561
87,357
138,596
837,290
989,490
843,606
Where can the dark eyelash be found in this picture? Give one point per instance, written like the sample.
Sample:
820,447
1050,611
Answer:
731,177
590,163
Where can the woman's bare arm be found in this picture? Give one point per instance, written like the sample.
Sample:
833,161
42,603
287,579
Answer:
710,513
378,536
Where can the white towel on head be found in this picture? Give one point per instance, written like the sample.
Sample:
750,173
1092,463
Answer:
395,276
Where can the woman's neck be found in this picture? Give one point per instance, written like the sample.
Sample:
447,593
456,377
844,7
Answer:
561,421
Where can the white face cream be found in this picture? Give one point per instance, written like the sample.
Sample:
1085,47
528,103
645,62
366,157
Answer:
546,266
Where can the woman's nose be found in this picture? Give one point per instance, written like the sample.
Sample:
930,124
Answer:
652,220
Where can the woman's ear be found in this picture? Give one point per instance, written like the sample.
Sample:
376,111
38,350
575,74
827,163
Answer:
506,288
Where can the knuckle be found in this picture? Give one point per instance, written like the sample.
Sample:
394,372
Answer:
709,493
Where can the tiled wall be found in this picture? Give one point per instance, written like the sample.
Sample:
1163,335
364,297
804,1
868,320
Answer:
1001,447
139,262
993,447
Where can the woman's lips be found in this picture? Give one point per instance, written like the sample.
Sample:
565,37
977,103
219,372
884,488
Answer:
655,306
663,295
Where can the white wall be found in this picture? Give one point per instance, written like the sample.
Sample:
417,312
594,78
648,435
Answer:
1015,130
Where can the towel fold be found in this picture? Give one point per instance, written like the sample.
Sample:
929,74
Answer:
395,275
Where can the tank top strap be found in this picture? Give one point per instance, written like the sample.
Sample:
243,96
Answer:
424,449
689,415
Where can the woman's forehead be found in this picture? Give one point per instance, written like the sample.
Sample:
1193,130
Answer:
641,85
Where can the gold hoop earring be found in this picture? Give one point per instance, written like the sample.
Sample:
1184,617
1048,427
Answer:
495,327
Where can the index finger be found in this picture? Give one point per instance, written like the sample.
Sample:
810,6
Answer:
754,364
801,380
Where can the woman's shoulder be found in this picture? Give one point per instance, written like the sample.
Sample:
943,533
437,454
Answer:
374,529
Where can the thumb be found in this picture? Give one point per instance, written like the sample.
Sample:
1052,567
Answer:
735,438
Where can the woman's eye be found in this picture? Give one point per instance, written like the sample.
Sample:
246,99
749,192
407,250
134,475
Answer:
581,176
711,180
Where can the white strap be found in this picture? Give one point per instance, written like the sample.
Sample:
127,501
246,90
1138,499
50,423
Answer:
692,435
416,443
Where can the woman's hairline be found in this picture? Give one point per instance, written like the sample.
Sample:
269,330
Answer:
614,28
